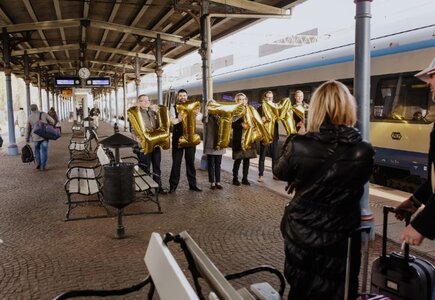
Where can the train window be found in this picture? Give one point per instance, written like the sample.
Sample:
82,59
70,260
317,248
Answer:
227,97
401,98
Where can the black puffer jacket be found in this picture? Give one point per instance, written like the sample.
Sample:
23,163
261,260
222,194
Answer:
317,221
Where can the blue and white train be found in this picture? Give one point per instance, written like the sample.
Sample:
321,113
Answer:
402,109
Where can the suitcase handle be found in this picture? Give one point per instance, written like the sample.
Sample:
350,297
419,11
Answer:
388,209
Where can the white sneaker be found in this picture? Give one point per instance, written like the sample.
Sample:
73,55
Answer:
260,179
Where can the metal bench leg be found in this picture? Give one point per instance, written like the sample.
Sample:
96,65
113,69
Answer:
68,212
157,199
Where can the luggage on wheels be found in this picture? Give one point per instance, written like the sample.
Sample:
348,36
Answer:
400,275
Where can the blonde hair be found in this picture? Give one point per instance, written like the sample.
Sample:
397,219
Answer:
331,101
238,95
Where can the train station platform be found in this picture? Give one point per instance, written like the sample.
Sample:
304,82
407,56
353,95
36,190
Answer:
41,255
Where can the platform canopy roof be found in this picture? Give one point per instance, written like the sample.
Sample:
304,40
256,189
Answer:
108,36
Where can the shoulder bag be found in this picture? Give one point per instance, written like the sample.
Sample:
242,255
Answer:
46,131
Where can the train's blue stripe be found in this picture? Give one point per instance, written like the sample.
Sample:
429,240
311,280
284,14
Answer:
414,162
348,58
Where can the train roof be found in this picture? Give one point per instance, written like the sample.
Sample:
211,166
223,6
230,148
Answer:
395,38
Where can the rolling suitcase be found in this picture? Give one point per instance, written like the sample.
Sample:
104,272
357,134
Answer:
400,275
363,295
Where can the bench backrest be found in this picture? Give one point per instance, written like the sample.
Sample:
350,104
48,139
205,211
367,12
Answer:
170,281
217,281
102,156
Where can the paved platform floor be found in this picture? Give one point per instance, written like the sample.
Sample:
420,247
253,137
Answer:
41,255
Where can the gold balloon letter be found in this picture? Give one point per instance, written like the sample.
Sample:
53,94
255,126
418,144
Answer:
190,137
149,139
279,111
225,111
255,131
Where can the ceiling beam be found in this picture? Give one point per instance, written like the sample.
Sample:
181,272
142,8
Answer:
132,23
143,32
105,33
90,47
61,29
8,20
254,6
128,53
32,14
108,63
43,25
46,49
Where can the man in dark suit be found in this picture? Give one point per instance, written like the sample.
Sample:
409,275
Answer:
177,152
423,225
273,147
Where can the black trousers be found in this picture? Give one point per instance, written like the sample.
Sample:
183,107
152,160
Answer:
273,149
214,168
177,156
154,158
236,167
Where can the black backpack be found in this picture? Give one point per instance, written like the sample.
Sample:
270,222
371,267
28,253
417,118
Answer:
27,154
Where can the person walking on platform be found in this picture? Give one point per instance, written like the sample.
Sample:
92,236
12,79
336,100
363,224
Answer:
327,169
271,148
40,144
238,154
21,120
95,115
53,114
214,155
177,152
150,118
423,225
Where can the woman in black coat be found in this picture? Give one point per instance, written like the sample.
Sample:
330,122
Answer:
326,206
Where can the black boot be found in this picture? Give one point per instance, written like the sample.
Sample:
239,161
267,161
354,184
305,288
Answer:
236,181
245,181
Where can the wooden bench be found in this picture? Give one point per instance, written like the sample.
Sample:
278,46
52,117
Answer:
167,278
144,182
85,180
202,267
165,275
83,146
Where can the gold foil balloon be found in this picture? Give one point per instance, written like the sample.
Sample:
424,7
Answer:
281,111
149,139
299,111
255,131
225,111
190,137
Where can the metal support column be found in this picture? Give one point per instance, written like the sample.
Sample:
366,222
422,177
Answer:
137,71
159,70
205,53
124,96
47,91
74,108
115,79
110,106
59,113
362,96
27,81
53,100
12,147
39,87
